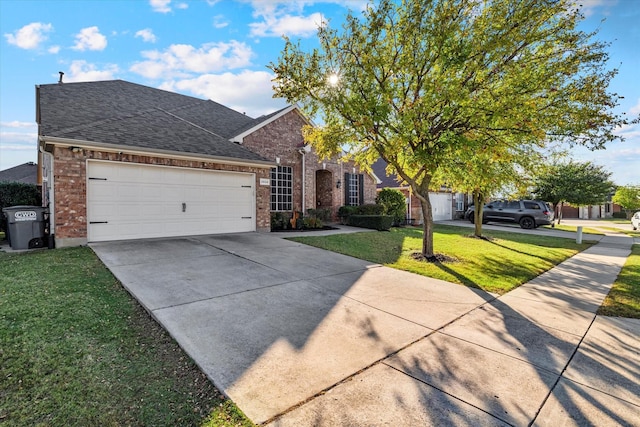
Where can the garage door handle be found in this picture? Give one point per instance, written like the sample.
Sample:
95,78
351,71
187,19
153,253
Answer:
98,222
184,207
246,217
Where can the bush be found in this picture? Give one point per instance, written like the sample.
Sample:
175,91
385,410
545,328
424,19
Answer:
376,222
322,214
16,194
372,209
344,212
312,222
393,203
280,221
622,215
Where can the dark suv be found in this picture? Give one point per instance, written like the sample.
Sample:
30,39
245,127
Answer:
528,213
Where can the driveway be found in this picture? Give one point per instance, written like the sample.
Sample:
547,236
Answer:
296,335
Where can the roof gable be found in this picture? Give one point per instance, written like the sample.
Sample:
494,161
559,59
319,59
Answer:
25,173
263,121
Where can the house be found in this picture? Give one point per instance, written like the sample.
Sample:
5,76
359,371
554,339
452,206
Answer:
25,173
445,205
126,161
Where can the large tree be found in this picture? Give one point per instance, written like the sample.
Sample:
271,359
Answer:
628,197
576,183
417,82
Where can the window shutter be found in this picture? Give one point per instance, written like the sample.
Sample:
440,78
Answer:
346,188
361,189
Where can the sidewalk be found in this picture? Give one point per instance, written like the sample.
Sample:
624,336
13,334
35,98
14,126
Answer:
535,356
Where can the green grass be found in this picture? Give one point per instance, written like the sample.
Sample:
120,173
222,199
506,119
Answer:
624,298
573,228
77,350
498,265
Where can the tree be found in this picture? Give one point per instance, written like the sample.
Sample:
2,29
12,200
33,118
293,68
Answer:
420,82
578,184
628,197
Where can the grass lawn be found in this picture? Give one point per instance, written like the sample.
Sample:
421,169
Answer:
624,298
498,265
573,228
77,350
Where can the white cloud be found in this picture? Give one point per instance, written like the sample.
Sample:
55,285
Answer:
17,124
219,21
249,92
30,36
161,6
90,39
82,71
588,7
635,110
147,35
182,5
54,49
181,60
276,26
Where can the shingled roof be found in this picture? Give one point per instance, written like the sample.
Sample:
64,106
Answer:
132,115
26,173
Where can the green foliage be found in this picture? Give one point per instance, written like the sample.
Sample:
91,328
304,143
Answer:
628,197
280,221
369,209
322,214
393,204
376,222
422,83
15,194
312,222
619,215
576,183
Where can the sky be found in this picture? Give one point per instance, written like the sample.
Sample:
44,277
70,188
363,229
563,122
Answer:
220,49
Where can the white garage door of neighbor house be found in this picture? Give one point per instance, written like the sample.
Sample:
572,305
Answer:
441,206
131,201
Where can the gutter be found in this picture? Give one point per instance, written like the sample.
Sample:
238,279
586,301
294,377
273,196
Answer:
115,148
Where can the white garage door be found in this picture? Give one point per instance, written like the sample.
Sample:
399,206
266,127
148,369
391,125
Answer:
130,201
441,206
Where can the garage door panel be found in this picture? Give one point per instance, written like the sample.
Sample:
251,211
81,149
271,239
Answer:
132,201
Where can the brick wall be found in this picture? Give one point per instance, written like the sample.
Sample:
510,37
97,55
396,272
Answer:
70,186
281,140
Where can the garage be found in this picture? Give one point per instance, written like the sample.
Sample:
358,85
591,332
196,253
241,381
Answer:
134,201
441,206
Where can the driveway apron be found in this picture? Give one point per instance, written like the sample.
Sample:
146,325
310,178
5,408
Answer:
299,336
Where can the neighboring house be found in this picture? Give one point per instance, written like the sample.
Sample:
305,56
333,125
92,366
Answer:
592,211
125,161
26,173
445,205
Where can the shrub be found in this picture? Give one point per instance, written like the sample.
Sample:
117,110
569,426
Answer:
622,215
15,194
393,203
344,212
322,214
312,222
280,221
376,222
371,209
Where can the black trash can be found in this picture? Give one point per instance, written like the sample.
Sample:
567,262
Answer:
26,226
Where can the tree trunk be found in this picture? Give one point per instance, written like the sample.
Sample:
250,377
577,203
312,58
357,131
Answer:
422,193
560,212
477,213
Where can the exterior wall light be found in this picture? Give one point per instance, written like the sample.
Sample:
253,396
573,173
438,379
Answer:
338,184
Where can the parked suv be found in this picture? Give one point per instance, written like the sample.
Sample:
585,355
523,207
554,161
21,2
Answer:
528,213
635,220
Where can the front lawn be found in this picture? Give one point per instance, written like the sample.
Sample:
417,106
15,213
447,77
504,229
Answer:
574,229
498,265
77,350
624,298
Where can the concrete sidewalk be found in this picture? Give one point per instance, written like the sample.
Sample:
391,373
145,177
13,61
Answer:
300,336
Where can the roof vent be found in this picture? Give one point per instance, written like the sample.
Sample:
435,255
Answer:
61,74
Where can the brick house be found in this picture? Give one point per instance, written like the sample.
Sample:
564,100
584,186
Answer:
445,204
125,161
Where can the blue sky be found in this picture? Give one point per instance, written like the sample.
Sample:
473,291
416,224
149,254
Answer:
219,49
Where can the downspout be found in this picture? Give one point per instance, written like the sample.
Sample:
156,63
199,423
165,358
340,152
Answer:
48,184
303,151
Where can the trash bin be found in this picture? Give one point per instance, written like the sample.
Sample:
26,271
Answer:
25,226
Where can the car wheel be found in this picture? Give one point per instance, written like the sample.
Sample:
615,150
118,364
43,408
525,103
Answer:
527,223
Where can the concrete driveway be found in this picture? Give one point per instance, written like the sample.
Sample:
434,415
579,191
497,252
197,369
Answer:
296,335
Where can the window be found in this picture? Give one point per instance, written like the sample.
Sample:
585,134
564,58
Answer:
531,205
353,189
459,202
281,189
512,205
